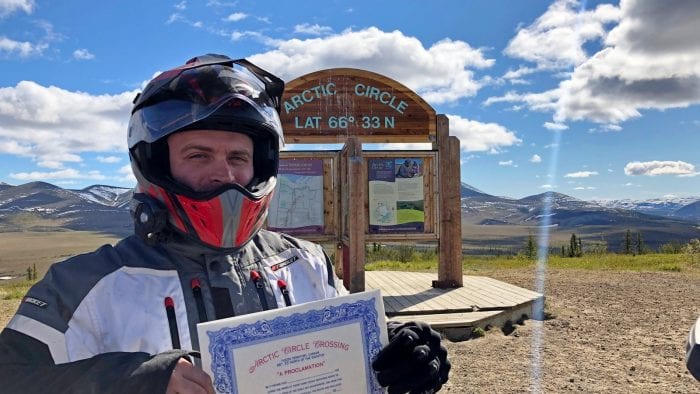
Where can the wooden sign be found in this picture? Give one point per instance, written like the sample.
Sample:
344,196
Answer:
328,106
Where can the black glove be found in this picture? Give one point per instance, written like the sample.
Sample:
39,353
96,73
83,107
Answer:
414,360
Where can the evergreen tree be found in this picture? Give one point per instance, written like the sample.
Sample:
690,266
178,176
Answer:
641,248
530,247
573,246
580,248
627,245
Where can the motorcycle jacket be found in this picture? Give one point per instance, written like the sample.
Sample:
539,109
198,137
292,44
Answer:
119,318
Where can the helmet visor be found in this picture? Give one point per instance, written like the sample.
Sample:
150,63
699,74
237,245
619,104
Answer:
193,94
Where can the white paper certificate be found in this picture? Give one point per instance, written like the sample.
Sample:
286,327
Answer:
318,347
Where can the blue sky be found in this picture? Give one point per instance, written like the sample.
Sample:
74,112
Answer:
594,99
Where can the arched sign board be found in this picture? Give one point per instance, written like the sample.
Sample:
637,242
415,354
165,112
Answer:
330,105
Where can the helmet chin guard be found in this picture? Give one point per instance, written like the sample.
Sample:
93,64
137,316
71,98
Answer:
210,92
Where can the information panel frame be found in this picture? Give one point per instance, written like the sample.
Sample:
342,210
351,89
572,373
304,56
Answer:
429,175
330,199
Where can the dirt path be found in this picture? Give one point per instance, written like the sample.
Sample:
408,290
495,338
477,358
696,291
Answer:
611,332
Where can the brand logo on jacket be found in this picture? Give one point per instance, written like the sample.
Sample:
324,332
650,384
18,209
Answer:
39,303
284,263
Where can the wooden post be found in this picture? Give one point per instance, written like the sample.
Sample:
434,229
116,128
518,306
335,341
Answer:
450,219
356,216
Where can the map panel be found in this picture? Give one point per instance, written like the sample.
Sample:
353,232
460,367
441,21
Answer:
297,205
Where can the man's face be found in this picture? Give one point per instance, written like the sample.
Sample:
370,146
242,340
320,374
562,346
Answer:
205,160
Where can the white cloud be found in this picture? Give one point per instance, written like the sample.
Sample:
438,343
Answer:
653,168
650,60
67,173
83,54
389,146
22,49
555,126
42,123
440,73
581,174
181,6
611,127
256,35
9,6
535,159
109,159
126,174
555,40
547,186
516,75
314,30
174,18
236,16
481,137
506,163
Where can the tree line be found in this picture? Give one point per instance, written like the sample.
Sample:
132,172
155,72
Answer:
632,244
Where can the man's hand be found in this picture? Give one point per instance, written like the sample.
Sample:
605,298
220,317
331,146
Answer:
186,379
414,360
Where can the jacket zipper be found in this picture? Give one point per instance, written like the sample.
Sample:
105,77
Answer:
198,300
172,322
260,287
285,292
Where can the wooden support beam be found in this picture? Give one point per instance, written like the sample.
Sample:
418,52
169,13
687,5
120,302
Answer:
356,217
450,217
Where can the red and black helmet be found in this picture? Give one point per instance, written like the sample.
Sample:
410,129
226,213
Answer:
211,92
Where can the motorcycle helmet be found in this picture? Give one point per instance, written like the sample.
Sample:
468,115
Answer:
210,92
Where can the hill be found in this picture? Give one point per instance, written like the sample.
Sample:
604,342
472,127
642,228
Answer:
44,207
510,221
486,219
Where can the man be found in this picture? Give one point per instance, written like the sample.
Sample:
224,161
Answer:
204,142
404,170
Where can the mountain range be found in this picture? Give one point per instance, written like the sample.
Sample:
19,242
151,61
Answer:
43,206
686,209
660,221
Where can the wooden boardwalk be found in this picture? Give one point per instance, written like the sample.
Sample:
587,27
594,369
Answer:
480,302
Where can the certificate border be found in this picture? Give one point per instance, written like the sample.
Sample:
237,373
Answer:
223,341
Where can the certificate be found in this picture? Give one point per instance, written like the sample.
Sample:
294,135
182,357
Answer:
319,347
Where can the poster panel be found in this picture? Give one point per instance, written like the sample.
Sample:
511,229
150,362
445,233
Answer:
396,197
297,205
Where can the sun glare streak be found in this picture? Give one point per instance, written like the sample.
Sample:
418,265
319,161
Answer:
541,267
541,270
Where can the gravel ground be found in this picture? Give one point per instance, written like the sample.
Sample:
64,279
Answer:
606,332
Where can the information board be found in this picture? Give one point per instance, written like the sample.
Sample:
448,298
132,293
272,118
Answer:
297,204
396,196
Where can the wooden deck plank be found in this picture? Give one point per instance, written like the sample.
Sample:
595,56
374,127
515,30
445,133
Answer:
390,289
475,294
512,289
444,320
431,300
412,293
402,285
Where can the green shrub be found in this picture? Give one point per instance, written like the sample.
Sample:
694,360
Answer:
670,267
15,289
478,332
